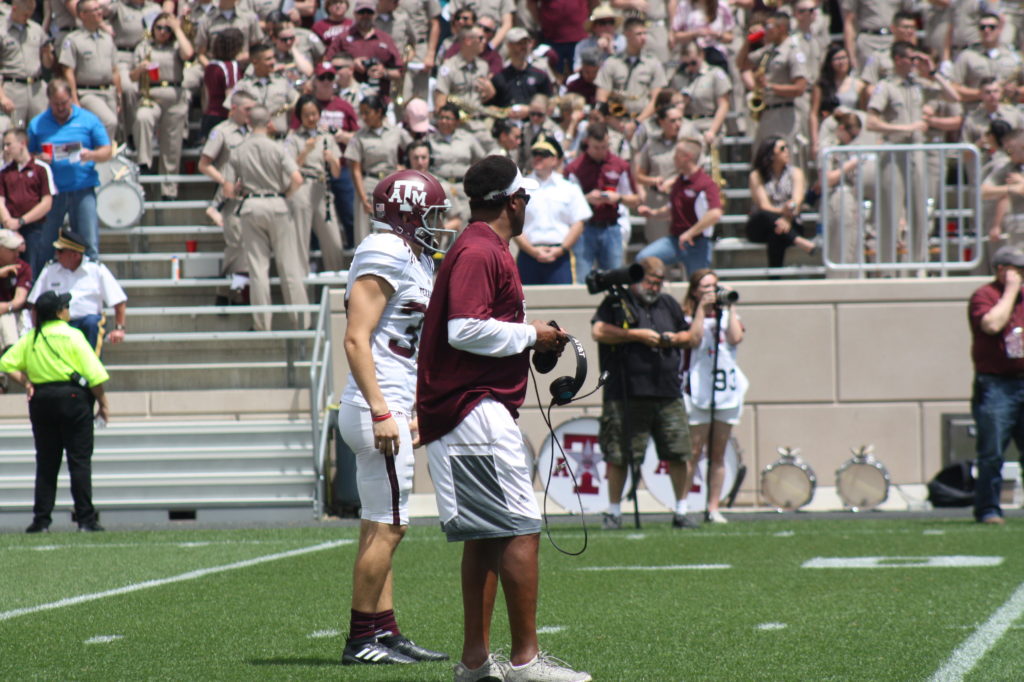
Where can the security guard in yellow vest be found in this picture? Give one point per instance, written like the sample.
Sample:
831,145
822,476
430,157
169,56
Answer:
63,378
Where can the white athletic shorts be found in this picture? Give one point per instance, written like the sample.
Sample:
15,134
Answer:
482,477
726,415
384,482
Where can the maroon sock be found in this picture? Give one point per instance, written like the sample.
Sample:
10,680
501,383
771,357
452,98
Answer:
361,625
386,623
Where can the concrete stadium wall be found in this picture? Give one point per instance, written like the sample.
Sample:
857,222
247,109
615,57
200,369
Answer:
833,365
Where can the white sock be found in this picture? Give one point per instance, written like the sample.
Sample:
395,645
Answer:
615,508
681,506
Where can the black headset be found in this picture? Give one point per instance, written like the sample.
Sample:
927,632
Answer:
563,389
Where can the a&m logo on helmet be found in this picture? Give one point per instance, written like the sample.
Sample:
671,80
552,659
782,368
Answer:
408,193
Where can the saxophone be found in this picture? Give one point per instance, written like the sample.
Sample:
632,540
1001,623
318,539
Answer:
716,170
755,98
477,110
144,82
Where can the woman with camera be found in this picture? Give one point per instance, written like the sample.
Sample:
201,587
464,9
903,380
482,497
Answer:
63,378
713,384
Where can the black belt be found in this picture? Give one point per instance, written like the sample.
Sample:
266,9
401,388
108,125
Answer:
876,31
698,118
314,176
602,223
27,81
96,87
781,105
166,84
272,195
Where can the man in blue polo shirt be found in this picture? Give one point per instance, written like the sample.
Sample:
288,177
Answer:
72,140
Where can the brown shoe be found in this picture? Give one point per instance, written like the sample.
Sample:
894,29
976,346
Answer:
995,519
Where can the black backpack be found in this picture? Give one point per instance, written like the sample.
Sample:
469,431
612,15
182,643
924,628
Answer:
953,486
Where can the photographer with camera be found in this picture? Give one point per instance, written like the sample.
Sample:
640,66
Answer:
714,385
641,333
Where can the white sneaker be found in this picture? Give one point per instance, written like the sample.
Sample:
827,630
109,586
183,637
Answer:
715,517
545,668
494,669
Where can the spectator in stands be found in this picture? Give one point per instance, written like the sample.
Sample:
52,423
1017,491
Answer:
88,62
604,39
695,207
75,141
453,151
654,167
709,24
706,90
417,118
879,64
92,288
1005,185
777,189
164,112
500,11
425,19
23,92
465,77
227,15
373,153
319,159
269,88
336,22
569,112
977,122
812,32
418,154
538,124
989,58
345,84
866,27
213,161
377,59
262,176
509,137
63,378
289,59
965,15
562,27
635,75
582,81
554,220
846,244
15,282
779,72
220,76
307,44
450,46
835,84
129,22
26,194
606,182
518,82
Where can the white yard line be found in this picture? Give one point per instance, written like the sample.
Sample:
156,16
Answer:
191,575
967,655
670,567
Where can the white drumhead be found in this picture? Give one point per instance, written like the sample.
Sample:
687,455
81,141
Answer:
117,168
787,486
862,485
119,204
583,459
656,477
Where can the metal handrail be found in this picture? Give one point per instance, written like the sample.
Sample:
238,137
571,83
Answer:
321,389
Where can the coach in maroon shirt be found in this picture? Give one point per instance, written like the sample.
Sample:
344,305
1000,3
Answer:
471,381
26,190
364,42
696,205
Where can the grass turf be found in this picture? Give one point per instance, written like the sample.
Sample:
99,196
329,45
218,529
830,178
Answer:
765,617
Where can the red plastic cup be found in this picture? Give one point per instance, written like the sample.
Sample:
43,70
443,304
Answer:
154,73
48,149
755,37
191,245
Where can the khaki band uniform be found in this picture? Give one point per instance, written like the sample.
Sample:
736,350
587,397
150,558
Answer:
786,63
21,62
1013,29
309,205
1013,222
420,12
168,116
193,79
268,231
309,45
874,18
975,64
657,30
216,21
376,149
900,101
62,22
977,123
457,78
633,77
276,93
225,137
965,15
495,9
844,210
451,158
702,92
92,58
877,69
657,157
129,22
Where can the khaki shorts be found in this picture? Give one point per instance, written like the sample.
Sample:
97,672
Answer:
664,419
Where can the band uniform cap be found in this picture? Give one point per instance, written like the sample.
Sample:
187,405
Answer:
70,241
324,67
516,34
9,239
546,145
604,11
1009,255
417,115
49,302
364,4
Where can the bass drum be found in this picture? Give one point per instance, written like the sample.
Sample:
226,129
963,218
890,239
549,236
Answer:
862,483
120,204
119,167
789,483
576,467
655,476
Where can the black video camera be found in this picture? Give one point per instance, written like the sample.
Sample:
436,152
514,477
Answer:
724,297
603,280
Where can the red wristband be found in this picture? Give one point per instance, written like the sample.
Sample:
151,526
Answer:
381,417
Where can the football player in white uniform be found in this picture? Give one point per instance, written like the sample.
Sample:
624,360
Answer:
390,281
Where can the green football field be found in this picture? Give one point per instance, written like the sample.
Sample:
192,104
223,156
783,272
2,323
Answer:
770,598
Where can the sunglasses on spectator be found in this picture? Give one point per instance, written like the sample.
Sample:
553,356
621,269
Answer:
485,29
806,10
691,62
536,114
988,27
325,77
162,28
286,39
781,148
602,22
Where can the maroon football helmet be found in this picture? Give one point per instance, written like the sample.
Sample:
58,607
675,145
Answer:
412,204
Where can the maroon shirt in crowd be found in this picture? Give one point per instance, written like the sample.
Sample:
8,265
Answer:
334,113
379,45
562,21
21,279
612,175
23,188
478,280
989,350
329,30
219,78
577,85
691,198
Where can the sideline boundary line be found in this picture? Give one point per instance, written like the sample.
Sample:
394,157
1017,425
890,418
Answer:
190,575
972,649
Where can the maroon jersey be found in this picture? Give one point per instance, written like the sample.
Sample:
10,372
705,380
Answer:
989,350
478,280
21,279
691,198
612,175
329,30
23,188
562,21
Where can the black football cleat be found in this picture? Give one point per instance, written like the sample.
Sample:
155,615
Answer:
38,527
407,647
371,652
90,527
